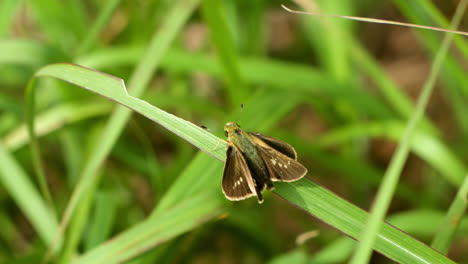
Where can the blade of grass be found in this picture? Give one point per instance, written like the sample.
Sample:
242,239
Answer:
155,230
76,226
395,97
23,52
428,147
114,89
18,185
55,24
53,119
215,16
390,180
93,33
452,220
454,73
351,220
327,41
36,160
421,222
297,256
104,216
418,222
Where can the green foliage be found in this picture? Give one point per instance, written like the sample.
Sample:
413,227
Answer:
96,184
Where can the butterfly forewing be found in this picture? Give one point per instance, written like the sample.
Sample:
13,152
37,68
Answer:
280,166
277,144
237,180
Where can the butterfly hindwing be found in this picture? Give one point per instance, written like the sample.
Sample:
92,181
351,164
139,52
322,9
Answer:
280,166
238,183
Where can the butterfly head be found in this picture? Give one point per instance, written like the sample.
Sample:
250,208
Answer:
231,128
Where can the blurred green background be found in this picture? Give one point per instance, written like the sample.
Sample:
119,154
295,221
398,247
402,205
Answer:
339,91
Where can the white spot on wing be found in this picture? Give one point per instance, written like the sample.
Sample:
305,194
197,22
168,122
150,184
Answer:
237,183
273,161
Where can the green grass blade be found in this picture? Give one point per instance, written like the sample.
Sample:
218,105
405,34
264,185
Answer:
351,220
102,20
115,89
104,215
427,146
453,74
391,177
74,232
23,52
155,230
215,16
416,223
54,119
452,220
36,157
327,41
18,185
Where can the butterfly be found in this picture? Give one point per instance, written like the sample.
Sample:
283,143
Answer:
254,161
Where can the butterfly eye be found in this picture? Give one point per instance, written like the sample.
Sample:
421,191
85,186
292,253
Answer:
225,133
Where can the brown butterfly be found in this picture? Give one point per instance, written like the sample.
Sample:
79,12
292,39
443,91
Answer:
254,161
